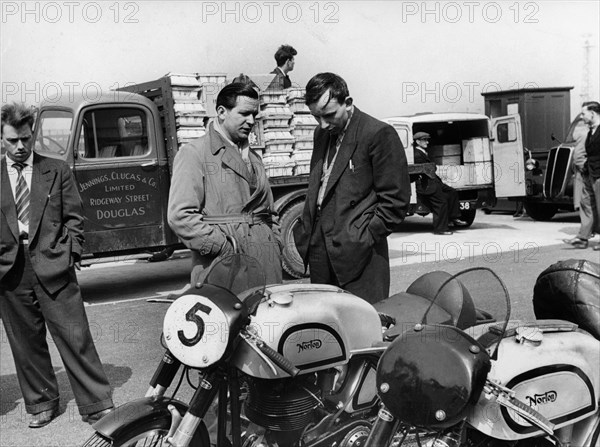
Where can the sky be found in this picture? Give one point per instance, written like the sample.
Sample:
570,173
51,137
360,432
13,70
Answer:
398,57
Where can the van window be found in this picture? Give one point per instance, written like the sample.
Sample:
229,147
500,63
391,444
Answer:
113,133
52,133
507,132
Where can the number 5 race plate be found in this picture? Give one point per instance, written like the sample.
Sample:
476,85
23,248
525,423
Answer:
196,331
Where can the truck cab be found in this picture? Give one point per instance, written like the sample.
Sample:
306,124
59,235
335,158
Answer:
476,156
114,145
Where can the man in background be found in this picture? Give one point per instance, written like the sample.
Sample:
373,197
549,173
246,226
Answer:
285,63
590,196
440,198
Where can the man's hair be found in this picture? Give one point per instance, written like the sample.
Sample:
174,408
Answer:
228,96
593,106
322,82
284,53
17,115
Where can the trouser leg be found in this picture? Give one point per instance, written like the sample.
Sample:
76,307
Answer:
68,324
452,200
26,332
438,205
586,209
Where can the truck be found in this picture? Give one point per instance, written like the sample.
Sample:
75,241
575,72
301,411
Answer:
548,143
480,158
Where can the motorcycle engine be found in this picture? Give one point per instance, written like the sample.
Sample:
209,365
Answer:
285,406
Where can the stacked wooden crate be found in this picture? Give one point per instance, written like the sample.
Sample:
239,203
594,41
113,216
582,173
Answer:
303,127
275,129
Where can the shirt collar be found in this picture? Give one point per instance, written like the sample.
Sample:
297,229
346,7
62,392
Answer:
221,132
28,162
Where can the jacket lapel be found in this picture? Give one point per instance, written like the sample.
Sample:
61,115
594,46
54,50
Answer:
42,179
349,144
231,156
8,207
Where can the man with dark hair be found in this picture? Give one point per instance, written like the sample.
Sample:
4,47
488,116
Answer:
41,237
220,191
285,63
440,198
590,113
358,193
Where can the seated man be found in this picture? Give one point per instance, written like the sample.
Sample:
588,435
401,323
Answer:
440,198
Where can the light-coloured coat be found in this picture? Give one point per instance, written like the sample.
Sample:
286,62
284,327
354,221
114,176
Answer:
210,178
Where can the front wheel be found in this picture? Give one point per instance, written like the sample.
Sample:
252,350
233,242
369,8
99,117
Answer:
152,433
468,216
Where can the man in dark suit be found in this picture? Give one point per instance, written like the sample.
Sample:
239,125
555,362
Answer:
285,63
590,113
41,234
358,193
440,198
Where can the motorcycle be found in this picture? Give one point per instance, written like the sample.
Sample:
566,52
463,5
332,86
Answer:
283,365
504,384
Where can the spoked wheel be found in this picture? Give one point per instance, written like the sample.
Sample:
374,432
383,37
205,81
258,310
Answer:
147,434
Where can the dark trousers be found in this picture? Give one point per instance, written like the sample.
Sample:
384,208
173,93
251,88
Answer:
26,309
443,204
589,207
372,285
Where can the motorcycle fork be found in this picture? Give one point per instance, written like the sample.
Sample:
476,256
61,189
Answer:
164,375
383,429
233,387
199,406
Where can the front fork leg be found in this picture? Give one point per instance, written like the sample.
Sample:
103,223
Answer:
383,430
199,405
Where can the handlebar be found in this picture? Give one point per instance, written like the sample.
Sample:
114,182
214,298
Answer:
278,359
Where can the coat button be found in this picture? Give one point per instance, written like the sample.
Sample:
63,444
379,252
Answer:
352,203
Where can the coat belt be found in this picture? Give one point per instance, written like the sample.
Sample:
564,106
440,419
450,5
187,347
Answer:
247,218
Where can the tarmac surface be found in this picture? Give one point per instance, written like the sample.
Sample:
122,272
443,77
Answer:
127,328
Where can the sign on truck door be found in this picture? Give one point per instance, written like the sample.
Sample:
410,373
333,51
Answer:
122,180
509,158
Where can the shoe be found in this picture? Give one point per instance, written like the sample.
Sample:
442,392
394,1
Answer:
576,242
458,223
92,418
596,247
443,233
43,418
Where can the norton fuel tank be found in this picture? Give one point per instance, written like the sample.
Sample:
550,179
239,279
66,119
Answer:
314,326
557,374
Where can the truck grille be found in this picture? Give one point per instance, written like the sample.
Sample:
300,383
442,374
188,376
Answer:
558,171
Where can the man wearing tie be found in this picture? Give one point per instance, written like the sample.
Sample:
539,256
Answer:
41,236
358,193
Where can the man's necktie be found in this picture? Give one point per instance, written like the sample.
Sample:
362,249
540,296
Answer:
22,196
332,149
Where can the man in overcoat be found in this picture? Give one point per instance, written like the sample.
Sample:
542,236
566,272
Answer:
41,237
440,198
358,193
220,192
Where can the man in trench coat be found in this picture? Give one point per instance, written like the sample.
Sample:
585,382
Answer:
219,189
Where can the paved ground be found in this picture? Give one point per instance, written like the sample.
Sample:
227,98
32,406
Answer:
126,328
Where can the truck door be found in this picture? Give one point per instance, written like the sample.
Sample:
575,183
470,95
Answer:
122,179
508,156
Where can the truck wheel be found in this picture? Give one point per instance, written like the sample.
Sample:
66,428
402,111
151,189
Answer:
292,262
540,211
468,216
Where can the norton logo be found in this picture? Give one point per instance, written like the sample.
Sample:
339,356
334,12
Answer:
540,399
307,345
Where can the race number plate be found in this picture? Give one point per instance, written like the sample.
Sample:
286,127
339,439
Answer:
196,331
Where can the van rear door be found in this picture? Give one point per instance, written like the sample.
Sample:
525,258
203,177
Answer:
122,179
508,156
